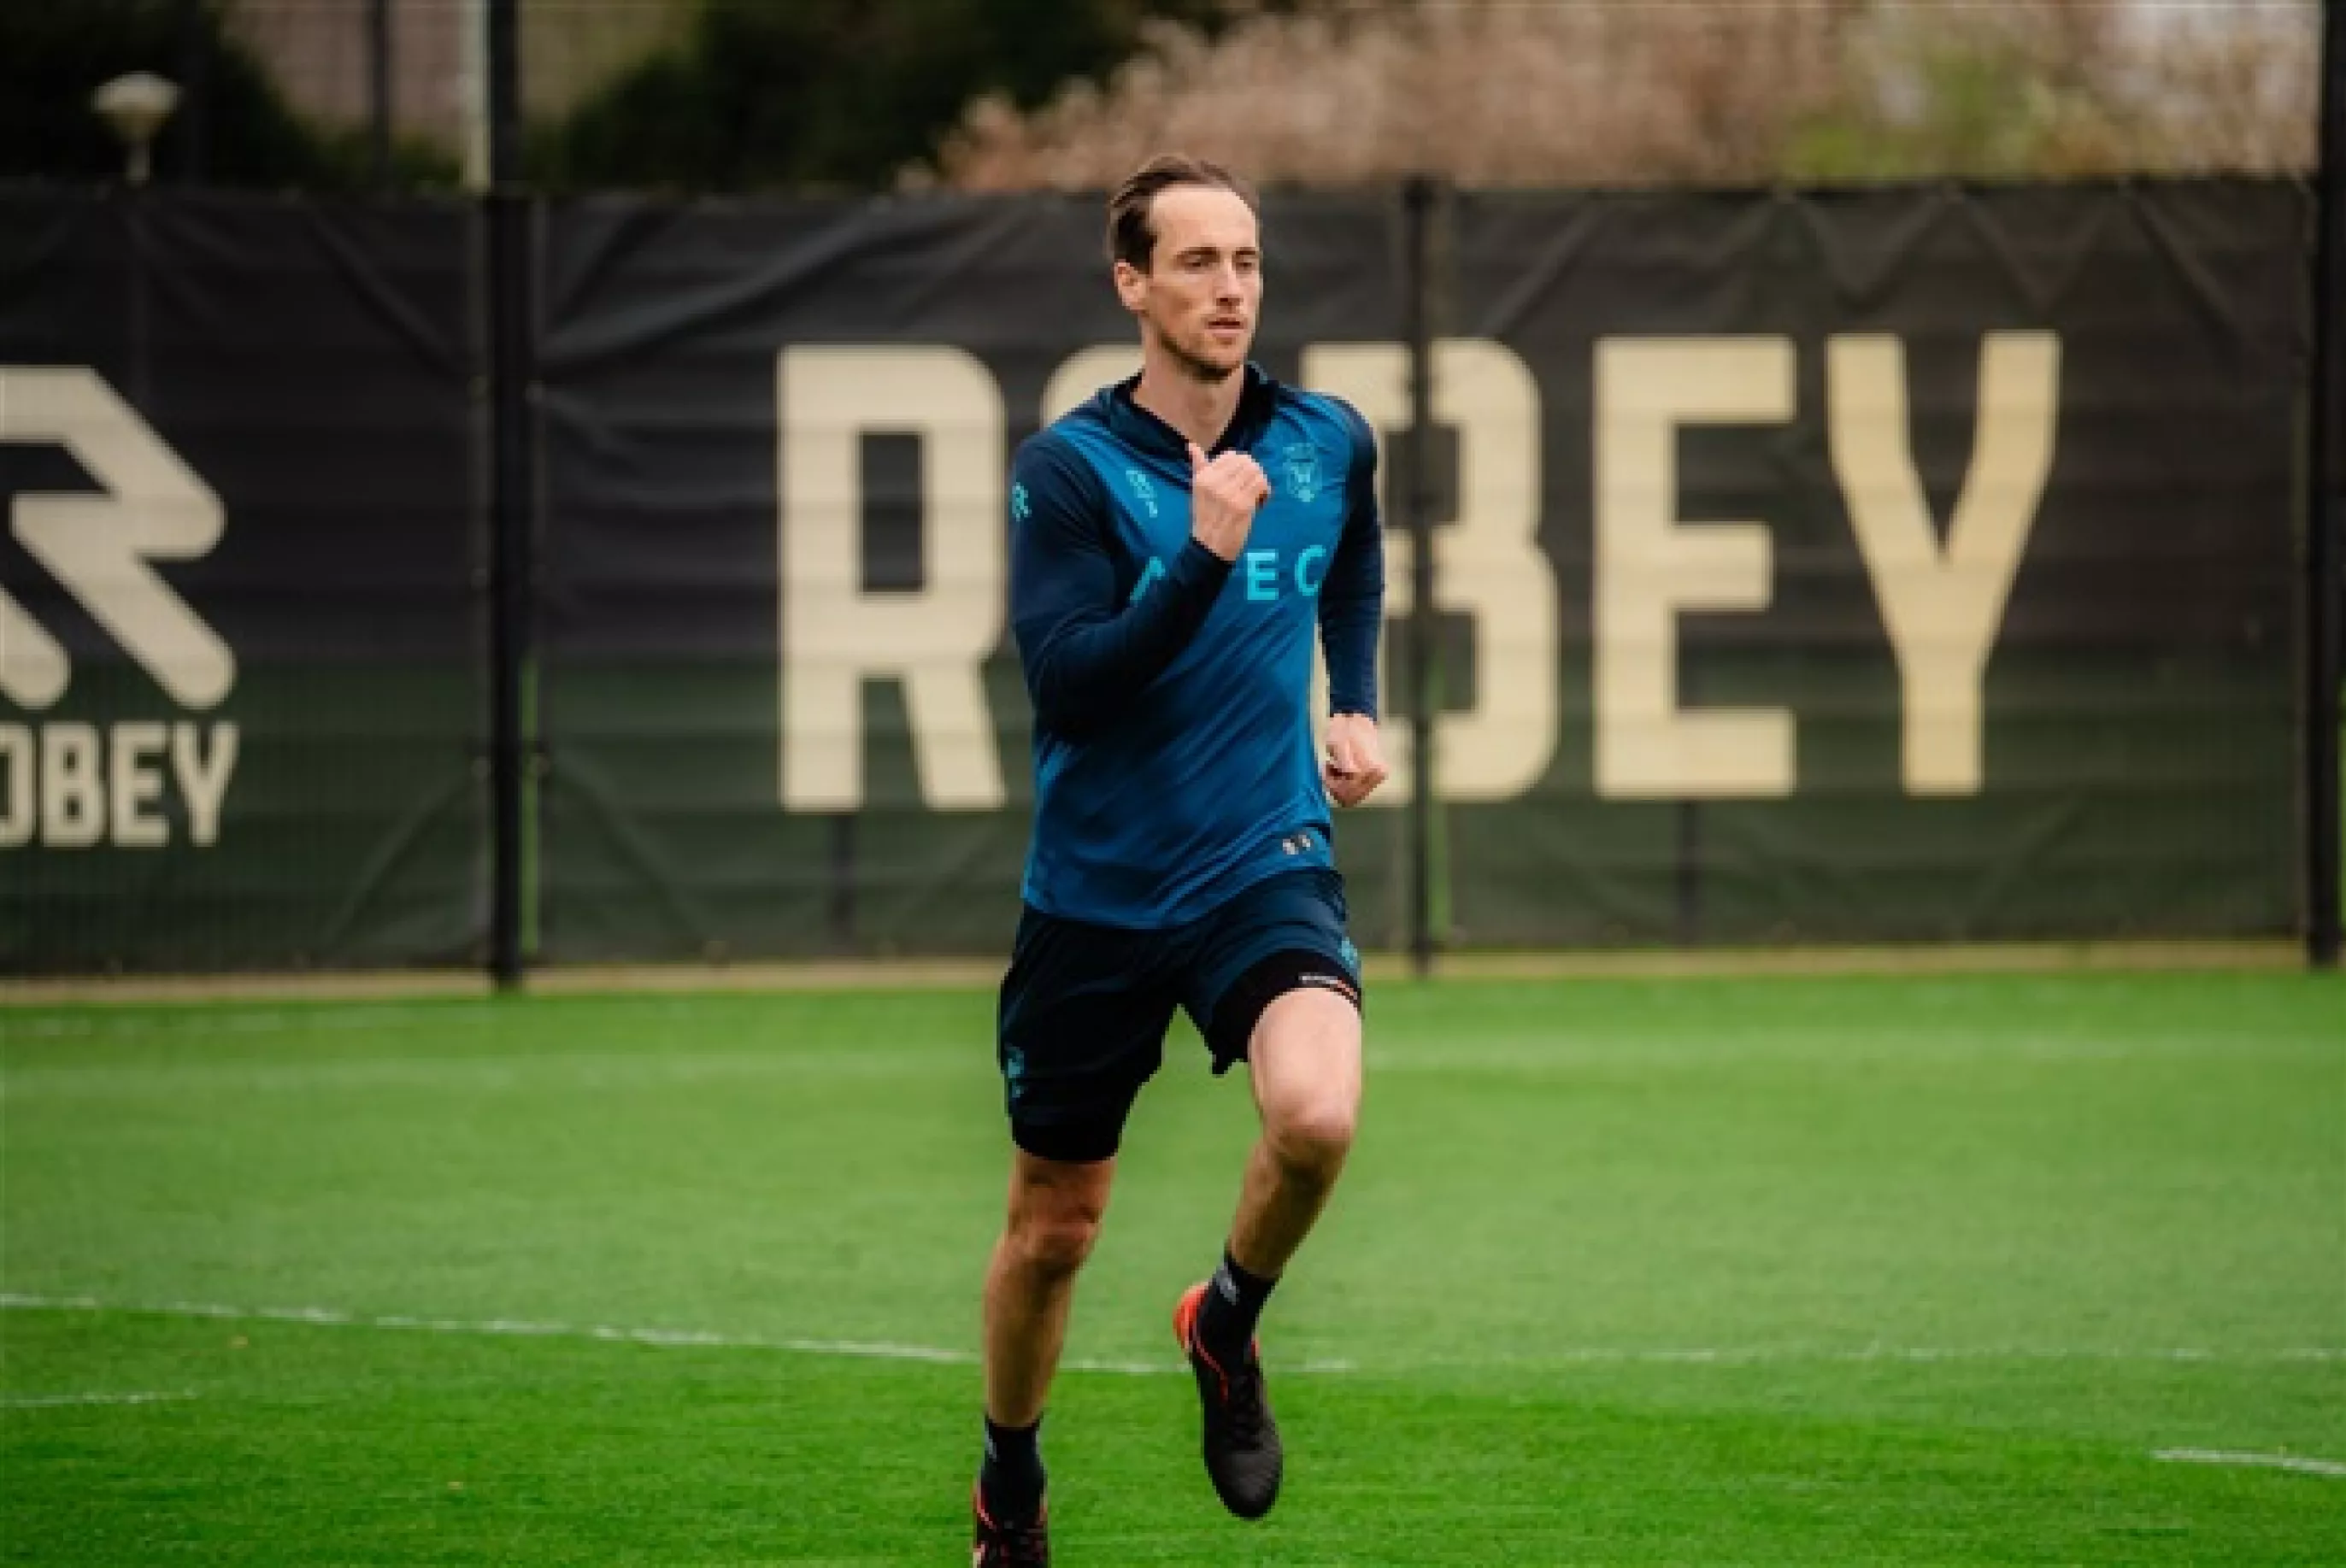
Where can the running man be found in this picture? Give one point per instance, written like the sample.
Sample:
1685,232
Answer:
1174,542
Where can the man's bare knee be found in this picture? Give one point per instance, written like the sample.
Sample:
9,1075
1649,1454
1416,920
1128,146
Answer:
1307,1074
1054,1244
1056,1211
1311,1140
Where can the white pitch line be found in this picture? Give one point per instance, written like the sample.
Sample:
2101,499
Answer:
515,1327
890,1350
2261,1461
1735,1356
49,1401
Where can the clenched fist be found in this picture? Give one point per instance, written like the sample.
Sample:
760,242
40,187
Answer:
1355,763
1223,496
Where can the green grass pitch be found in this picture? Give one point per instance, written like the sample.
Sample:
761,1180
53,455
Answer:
1783,1271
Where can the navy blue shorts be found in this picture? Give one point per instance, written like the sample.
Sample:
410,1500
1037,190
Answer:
1085,1007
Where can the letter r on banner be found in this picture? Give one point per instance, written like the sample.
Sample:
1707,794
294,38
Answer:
834,634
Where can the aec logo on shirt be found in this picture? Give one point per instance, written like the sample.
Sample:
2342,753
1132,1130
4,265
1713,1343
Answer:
68,785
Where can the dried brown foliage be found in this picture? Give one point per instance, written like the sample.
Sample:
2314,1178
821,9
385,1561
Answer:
1609,92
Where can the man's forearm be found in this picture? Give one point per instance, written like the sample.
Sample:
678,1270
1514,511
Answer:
1080,673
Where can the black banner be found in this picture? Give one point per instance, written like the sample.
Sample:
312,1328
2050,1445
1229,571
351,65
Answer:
240,663
1905,565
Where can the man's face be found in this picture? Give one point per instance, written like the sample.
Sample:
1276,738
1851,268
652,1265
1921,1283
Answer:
1203,288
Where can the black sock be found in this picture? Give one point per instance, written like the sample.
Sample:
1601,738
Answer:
1233,1305
1011,1479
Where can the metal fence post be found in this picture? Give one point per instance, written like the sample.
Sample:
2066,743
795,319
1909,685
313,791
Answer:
1418,195
512,507
379,110
194,127
2326,517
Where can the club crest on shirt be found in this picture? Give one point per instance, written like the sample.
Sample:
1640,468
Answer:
1300,464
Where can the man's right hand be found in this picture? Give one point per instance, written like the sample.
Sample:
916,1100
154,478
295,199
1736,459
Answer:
1223,496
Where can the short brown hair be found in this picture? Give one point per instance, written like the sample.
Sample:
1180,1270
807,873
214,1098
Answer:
1132,229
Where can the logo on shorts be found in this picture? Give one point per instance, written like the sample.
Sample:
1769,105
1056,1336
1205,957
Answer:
1020,508
1336,983
1301,462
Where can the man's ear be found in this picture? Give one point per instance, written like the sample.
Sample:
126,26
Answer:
1131,285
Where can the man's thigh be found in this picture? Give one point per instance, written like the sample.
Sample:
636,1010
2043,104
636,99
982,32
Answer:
1305,1064
1285,933
1080,1029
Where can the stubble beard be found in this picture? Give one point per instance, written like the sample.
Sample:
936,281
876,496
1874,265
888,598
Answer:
1193,362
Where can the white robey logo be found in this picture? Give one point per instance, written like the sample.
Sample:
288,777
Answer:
1940,585
67,784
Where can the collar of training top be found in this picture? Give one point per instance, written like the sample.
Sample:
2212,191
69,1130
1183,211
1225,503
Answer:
1143,431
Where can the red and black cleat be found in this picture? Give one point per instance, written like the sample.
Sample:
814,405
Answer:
1241,1440
1027,1545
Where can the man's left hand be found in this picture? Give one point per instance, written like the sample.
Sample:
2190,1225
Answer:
1355,761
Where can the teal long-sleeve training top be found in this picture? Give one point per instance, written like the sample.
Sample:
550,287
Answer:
1173,756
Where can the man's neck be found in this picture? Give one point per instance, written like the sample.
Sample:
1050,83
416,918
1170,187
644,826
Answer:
1201,411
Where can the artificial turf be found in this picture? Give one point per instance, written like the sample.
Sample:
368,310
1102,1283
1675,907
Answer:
1783,1270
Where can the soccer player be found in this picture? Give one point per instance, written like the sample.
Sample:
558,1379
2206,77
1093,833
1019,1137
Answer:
1173,544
